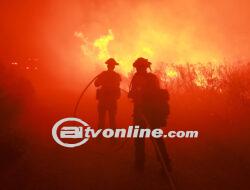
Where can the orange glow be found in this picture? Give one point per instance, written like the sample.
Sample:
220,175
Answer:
102,45
172,73
151,44
149,36
51,52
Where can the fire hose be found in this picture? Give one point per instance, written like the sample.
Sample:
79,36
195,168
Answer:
83,92
167,172
170,178
77,106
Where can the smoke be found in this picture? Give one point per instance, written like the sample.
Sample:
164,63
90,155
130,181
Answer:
170,31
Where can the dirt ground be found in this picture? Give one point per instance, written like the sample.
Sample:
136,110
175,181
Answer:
215,160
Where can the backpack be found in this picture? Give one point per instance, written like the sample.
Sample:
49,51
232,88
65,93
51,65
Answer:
156,107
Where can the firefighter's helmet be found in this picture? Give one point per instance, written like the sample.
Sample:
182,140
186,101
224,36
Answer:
141,62
111,61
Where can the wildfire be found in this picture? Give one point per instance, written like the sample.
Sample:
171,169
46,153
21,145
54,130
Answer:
172,73
102,45
152,44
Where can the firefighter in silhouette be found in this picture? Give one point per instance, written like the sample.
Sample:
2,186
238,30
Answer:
107,94
150,109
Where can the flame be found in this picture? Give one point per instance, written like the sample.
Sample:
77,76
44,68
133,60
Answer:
151,43
171,73
200,80
102,45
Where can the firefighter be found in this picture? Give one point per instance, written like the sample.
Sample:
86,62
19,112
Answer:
150,109
107,94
